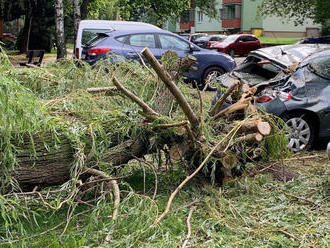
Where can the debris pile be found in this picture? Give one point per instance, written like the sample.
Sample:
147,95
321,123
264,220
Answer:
64,123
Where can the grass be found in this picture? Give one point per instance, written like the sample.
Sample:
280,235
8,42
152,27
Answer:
249,211
246,212
279,41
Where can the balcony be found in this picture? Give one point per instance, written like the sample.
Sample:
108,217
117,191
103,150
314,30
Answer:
186,25
231,23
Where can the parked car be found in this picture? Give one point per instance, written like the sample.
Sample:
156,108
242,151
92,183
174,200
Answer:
127,40
207,41
318,40
299,96
193,37
237,44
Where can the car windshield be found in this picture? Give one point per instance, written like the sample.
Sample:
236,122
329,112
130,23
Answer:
91,36
230,38
321,66
185,37
204,38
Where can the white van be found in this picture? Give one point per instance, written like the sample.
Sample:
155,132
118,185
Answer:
89,28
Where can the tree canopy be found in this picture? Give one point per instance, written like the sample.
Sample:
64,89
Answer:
159,11
298,10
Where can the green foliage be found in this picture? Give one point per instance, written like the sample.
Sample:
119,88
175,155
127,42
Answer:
297,10
249,212
159,11
51,103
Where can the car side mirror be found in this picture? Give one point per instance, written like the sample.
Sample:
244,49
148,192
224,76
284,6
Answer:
193,48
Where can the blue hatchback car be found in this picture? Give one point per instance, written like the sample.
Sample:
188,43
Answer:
128,40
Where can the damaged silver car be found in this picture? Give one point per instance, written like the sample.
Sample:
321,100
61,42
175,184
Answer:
293,82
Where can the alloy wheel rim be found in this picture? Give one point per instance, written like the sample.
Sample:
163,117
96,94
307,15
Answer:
299,134
212,75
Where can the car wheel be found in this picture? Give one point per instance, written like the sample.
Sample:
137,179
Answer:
232,53
301,131
210,75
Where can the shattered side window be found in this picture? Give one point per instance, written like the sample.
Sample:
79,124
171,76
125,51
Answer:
321,66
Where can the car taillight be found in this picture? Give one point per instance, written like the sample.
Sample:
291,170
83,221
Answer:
263,99
283,96
208,44
98,51
76,53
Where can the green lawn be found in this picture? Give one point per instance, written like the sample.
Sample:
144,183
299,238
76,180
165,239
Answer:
280,41
250,211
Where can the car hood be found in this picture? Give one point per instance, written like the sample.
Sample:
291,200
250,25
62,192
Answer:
288,55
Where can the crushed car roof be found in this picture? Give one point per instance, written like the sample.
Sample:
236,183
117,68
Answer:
288,55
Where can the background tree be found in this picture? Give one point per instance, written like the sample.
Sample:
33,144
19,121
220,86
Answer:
158,12
59,27
298,10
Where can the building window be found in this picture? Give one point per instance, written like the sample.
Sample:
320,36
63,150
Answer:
231,11
200,16
187,16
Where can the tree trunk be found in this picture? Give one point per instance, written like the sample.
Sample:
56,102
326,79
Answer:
84,9
59,26
76,17
24,45
53,166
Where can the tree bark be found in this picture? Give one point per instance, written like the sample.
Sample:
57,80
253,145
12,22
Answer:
53,167
59,26
24,45
76,17
84,9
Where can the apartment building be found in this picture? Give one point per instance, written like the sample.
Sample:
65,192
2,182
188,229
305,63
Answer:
242,16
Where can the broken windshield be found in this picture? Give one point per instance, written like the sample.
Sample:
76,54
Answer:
321,66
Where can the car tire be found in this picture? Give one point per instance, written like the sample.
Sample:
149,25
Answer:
213,71
232,53
301,133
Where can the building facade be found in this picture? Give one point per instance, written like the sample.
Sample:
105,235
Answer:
242,16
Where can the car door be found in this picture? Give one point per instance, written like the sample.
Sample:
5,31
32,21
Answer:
134,43
170,42
239,45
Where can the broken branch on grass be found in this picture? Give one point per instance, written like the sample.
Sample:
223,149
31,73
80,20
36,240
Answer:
166,78
186,240
134,98
115,189
101,90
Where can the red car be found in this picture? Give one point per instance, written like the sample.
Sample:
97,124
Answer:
237,44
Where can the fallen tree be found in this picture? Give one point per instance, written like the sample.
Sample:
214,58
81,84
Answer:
68,119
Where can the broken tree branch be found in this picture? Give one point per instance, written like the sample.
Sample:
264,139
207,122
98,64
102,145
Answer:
188,178
101,90
134,98
166,78
186,240
216,107
114,185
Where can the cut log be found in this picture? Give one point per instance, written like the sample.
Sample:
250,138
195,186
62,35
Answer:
259,126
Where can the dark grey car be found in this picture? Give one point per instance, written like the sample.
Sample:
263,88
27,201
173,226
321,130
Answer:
303,101
300,96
